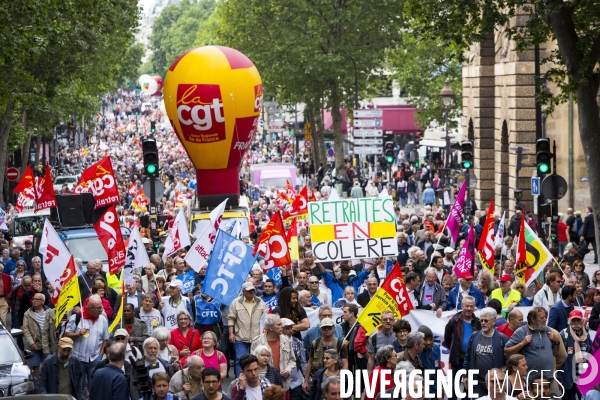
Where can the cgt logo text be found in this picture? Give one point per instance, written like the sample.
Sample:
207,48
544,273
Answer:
200,113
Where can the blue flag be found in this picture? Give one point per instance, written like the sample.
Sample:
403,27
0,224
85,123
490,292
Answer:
275,274
228,267
188,281
207,313
388,267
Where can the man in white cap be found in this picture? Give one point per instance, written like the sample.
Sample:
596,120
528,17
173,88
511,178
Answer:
132,354
318,347
449,258
296,376
244,321
62,374
171,305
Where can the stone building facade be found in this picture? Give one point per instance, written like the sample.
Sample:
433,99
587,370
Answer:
499,113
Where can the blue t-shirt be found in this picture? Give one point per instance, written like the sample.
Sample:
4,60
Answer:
466,335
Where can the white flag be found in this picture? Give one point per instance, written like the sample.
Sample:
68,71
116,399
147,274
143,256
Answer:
500,232
179,236
384,193
200,251
56,258
137,257
333,195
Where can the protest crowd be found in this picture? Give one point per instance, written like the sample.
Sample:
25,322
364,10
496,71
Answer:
294,327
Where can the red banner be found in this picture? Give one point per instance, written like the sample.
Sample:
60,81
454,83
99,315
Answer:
133,189
299,205
290,189
99,179
109,233
44,192
272,244
26,189
394,285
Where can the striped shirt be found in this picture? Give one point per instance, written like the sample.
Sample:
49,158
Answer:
88,349
39,318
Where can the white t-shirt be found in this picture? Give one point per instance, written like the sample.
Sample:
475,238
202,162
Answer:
253,393
158,367
153,319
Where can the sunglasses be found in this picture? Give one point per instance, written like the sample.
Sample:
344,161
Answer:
119,338
312,282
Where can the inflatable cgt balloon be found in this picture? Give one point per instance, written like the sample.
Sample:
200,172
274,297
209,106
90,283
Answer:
213,96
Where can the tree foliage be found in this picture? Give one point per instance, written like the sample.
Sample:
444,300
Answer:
313,51
174,31
56,59
421,66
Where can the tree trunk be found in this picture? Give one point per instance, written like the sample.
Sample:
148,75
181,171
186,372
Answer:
589,131
26,146
338,140
4,132
38,146
314,115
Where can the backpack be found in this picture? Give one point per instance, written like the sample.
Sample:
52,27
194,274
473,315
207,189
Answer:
60,332
317,362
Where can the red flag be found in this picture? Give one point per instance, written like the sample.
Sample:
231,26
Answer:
26,189
140,201
486,248
312,196
521,245
299,206
272,244
66,276
133,189
179,199
109,233
44,192
293,231
290,189
99,179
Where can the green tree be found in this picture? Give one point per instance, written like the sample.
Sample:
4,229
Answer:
420,67
314,51
574,65
174,31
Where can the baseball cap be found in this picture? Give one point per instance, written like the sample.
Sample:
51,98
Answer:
248,286
448,250
145,240
176,283
466,275
326,322
287,322
121,332
576,314
505,278
65,342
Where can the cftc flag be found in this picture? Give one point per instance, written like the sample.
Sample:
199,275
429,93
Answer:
69,295
391,296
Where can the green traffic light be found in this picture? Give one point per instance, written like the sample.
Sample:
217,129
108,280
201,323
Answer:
416,165
151,169
389,159
467,164
543,168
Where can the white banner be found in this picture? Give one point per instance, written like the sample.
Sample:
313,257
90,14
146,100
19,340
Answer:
179,236
55,255
199,253
137,257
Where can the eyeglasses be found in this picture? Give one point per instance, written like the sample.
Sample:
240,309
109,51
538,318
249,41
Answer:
388,319
210,383
183,319
34,299
327,327
119,338
313,282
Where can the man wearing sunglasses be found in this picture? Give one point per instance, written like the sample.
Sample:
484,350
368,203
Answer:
465,287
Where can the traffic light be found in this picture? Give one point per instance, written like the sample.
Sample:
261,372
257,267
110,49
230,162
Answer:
150,153
520,158
152,126
389,152
467,154
554,230
414,158
138,88
543,155
136,110
128,85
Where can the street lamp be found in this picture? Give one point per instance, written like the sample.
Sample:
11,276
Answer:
447,99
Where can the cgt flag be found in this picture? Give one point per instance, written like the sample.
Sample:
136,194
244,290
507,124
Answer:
272,244
70,296
109,233
391,296
136,256
179,236
26,189
56,257
299,208
140,201
99,179
44,192
230,263
486,248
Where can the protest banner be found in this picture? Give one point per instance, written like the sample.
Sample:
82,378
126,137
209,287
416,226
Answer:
353,229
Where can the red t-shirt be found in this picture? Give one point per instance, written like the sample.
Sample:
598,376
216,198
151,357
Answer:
562,232
190,341
504,328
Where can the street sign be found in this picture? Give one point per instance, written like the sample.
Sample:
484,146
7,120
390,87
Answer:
276,124
368,113
276,110
368,132
368,141
270,104
159,189
330,153
12,174
368,150
368,123
308,144
535,186
554,187
275,129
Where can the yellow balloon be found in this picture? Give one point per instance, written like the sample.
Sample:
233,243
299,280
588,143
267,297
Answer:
213,97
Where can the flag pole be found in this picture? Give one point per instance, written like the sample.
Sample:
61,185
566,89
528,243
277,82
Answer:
439,238
346,337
